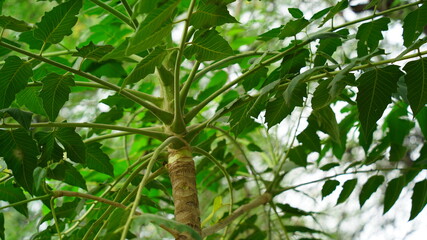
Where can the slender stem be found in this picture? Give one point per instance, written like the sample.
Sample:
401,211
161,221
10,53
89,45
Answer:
178,124
224,61
129,11
150,132
116,13
57,194
55,218
273,205
190,115
260,200
155,100
26,201
376,15
107,136
276,178
159,113
186,88
143,182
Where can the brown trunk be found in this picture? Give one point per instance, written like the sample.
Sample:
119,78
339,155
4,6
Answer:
182,174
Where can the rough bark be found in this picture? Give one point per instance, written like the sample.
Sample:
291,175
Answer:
182,174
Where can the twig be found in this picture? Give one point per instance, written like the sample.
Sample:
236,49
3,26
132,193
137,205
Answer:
260,200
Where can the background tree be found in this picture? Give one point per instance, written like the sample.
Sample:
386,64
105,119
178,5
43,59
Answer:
124,116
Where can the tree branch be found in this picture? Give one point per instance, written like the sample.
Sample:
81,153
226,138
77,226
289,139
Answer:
159,113
260,200
149,132
57,194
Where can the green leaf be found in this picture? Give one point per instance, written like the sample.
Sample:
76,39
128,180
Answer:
2,230
329,166
68,174
208,45
22,117
57,23
143,40
334,10
39,175
20,153
146,6
30,98
289,210
273,33
416,82
347,189
293,27
413,25
92,51
34,43
298,156
293,62
154,29
278,109
51,151
12,194
392,192
329,187
320,13
419,198
209,14
254,148
369,188
297,81
146,66
309,139
375,90
324,120
14,77
72,143
7,22
118,52
97,160
422,121
55,92
295,12
369,35
328,46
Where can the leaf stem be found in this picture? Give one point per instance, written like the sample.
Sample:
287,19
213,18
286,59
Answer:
159,113
155,100
144,182
116,13
186,88
129,11
150,131
178,123
26,201
52,209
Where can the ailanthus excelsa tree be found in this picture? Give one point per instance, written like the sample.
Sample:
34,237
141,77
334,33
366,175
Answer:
156,80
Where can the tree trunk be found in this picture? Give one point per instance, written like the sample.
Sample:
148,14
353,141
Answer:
182,174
